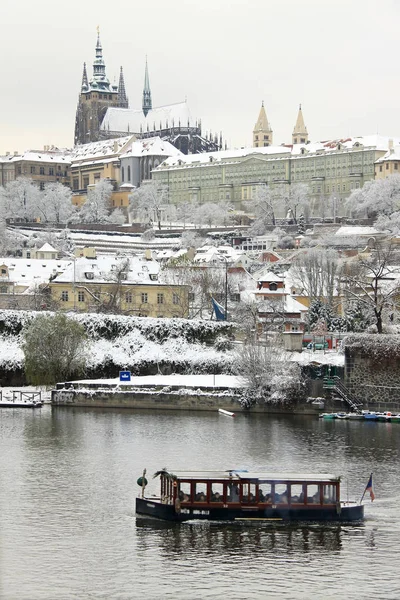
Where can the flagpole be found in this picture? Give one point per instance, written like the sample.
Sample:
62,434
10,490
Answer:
362,497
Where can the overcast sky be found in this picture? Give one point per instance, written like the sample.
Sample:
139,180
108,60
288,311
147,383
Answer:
339,58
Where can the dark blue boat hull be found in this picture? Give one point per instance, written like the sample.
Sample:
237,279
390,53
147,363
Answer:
168,512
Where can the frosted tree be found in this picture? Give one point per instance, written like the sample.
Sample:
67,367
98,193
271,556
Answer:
97,206
264,206
372,282
380,197
316,272
298,200
149,201
191,239
55,203
211,214
19,199
185,212
117,216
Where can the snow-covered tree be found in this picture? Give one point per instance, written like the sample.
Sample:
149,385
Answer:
316,272
379,197
19,199
149,201
211,214
264,206
297,200
373,282
191,239
185,212
55,203
117,217
97,206
269,375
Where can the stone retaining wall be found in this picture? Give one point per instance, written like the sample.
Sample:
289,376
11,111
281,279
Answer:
375,382
204,402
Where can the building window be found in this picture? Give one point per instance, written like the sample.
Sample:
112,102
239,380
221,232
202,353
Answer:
41,185
51,171
4,271
256,138
396,166
175,299
41,170
145,298
387,166
380,168
75,183
3,289
129,173
64,296
160,298
266,137
81,296
85,182
128,297
122,174
273,286
32,169
19,170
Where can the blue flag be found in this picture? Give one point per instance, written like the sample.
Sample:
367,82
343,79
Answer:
219,310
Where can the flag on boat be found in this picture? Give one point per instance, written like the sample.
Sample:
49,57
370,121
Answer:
370,489
219,310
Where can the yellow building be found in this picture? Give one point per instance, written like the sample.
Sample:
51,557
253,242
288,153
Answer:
127,285
389,164
99,160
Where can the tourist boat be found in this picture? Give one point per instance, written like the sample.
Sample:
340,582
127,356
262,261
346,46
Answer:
243,496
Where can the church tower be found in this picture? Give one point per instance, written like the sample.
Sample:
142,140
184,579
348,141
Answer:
146,103
300,133
262,132
95,97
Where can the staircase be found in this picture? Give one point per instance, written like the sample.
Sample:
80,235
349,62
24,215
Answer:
335,385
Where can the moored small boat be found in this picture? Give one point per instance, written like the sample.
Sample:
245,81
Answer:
243,496
328,415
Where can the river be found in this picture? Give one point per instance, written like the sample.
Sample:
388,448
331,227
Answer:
69,531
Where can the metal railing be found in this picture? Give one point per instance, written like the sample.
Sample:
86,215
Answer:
335,384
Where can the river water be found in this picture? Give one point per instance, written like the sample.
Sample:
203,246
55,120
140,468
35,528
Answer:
68,527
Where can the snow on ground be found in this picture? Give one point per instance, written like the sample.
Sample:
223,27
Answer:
207,381
329,357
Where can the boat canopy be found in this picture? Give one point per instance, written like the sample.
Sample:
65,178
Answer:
254,476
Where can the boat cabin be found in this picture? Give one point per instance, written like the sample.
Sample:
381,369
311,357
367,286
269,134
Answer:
204,489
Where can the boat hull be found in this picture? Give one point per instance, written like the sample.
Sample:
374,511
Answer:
11,404
167,512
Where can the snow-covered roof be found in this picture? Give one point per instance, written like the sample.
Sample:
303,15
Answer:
129,119
47,248
349,230
61,157
270,276
101,149
154,146
368,142
104,269
392,154
31,271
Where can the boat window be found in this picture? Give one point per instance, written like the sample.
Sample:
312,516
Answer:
249,493
217,492
329,494
313,496
265,492
200,492
281,493
232,492
184,491
296,493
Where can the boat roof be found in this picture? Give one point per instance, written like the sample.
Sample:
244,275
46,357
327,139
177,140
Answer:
239,475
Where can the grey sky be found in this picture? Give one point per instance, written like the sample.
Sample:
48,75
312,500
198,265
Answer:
339,58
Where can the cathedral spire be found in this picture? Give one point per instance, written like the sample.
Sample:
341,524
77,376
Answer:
99,68
122,97
262,132
300,133
85,82
146,104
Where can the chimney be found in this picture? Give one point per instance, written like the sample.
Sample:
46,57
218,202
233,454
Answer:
15,152
7,153
115,146
391,145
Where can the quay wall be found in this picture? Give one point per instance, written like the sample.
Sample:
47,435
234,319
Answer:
376,383
184,401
